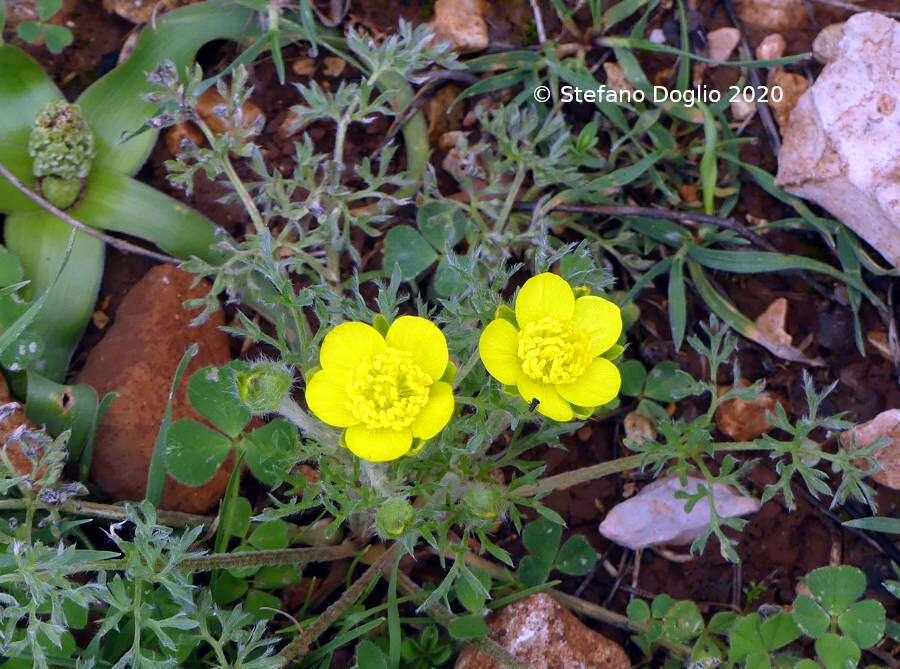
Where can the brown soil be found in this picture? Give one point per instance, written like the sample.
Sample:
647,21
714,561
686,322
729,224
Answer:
776,547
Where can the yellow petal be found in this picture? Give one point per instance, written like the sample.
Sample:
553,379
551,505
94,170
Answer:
598,385
546,294
326,397
599,320
436,412
424,340
497,347
550,403
349,343
377,445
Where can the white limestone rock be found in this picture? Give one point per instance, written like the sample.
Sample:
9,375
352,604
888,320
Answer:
655,516
842,141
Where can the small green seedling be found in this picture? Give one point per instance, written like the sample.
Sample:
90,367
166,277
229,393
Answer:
576,557
55,37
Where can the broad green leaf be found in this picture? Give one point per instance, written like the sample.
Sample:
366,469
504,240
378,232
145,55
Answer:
576,557
113,103
810,617
467,627
533,571
240,520
744,638
661,605
47,8
62,407
29,31
441,222
211,391
638,610
10,268
369,655
667,383
541,538
682,622
272,450
405,247
194,452
118,203
721,622
473,599
837,652
40,241
807,664
836,588
633,375
447,281
864,623
270,536
57,38
778,631
261,605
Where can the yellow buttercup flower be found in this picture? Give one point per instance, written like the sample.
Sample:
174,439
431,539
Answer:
553,353
386,390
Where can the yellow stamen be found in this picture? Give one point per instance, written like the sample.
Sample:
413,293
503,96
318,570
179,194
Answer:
553,351
388,390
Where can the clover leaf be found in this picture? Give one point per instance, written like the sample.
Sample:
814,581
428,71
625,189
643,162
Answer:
576,557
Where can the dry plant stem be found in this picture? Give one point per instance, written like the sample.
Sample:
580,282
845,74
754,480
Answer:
299,647
602,469
112,512
855,8
444,617
116,243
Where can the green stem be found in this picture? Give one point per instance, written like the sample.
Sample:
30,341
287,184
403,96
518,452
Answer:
510,199
229,499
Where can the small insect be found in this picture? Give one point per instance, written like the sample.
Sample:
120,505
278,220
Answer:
534,404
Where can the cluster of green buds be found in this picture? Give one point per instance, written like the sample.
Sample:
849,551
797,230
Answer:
264,387
62,146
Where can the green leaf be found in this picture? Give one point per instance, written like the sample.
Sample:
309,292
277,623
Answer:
837,652
227,588
836,588
576,557
406,248
807,664
810,617
29,31
194,452
47,8
240,520
470,597
633,375
541,538
638,610
757,660
864,622
677,302
876,524
744,638
667,383
62,407
441,222
211,391
661,605
57,37
10,268
495,83
533,571
118,203
468,627
721,622
778,631
114,105
682,622
272,450
261,605
369,655
708,168
447,281
270,536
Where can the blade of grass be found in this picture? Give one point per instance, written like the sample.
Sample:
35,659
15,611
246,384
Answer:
709,173
677,301
156,475
631,43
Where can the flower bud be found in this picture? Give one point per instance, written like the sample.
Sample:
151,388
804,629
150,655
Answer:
264,387
62,146
394,518
482,501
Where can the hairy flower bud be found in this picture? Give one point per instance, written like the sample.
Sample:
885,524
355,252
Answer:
264,387
394,518
62,146
482,501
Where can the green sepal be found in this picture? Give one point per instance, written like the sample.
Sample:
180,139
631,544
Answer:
416,448
512,391
614,352
507,314
449,372
581,291
583,413
381,324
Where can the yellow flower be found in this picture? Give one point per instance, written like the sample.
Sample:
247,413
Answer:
386,390
553,354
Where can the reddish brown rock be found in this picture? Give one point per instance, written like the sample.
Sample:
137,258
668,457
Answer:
545,635
885,424
744,420
137,359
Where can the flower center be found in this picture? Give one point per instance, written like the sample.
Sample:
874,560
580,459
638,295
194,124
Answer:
553,351
388,390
